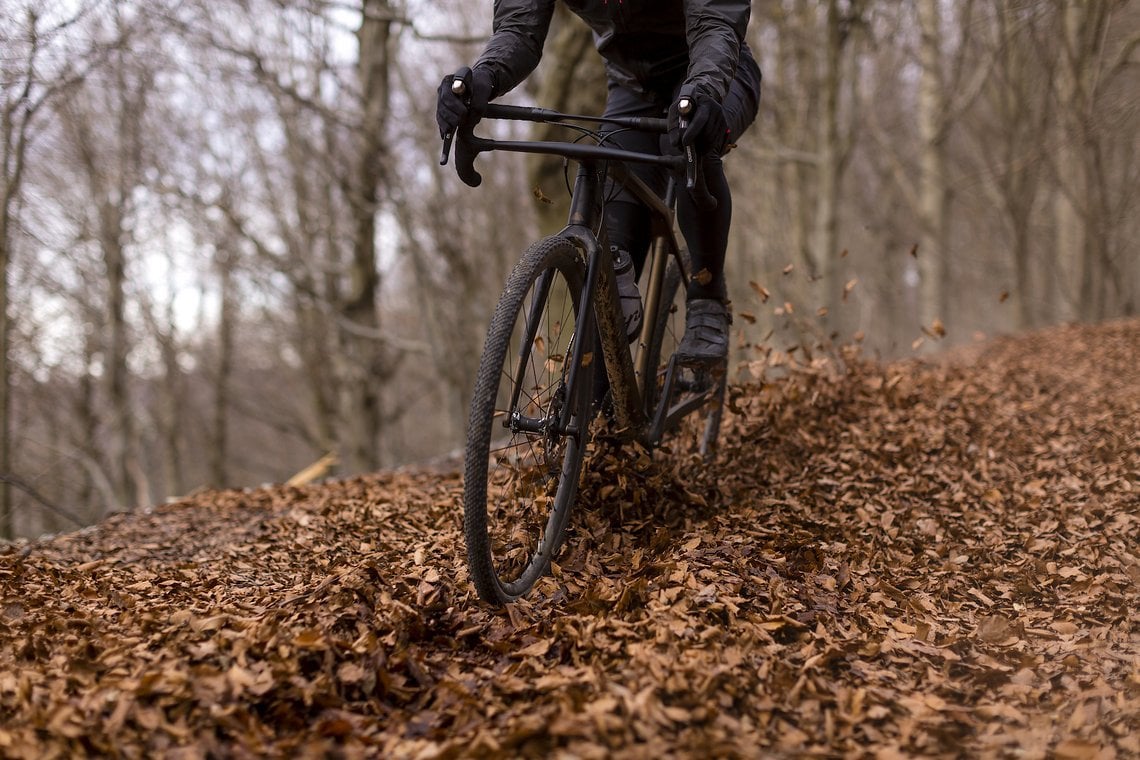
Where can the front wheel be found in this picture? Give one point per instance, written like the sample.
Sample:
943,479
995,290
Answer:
529,424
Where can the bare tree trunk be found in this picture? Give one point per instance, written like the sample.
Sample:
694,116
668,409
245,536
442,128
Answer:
171,402
933,248
1071,230
1086,221
1081,35
7,198
804,65
118,392
19,109
88,422
826,227
111,178
362,411
219,447
833,152
819,63
6,517
1021,111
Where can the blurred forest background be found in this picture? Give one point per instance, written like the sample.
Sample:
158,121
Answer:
228,249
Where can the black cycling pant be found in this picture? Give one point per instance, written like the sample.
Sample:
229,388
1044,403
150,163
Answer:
705,231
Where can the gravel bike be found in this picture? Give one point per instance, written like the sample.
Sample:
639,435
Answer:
558,317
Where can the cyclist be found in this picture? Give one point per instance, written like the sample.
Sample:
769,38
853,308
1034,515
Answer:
656,52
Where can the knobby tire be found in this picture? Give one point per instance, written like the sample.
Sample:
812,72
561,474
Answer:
521,477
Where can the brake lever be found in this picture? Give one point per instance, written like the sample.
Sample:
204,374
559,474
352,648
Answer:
694,176
457,87
684,108
446,152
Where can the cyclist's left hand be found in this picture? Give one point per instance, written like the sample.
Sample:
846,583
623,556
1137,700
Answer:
706,130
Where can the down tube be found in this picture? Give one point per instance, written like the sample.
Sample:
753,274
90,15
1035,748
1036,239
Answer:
603,302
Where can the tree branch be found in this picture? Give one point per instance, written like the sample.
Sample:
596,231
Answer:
12,480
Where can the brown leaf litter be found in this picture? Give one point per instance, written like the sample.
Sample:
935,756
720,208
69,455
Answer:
913,559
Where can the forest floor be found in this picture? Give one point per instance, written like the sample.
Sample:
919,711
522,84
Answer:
917,558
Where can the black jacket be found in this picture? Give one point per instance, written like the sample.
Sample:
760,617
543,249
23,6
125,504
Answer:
650,46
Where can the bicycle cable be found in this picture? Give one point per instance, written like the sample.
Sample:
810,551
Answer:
602,139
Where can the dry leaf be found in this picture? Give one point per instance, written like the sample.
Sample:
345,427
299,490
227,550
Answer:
537,649
542,197
996,629
1075,749
760,291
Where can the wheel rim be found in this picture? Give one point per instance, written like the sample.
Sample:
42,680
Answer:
533,462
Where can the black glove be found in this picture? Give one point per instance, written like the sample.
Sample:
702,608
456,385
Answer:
451,110
705,131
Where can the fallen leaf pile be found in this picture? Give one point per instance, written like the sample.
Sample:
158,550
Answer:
885,560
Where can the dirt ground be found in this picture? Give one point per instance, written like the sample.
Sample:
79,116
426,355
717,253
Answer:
927,558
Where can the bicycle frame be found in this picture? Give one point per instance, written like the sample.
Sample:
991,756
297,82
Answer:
599,309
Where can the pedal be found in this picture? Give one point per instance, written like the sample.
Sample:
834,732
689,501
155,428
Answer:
698,378
684,389
693,379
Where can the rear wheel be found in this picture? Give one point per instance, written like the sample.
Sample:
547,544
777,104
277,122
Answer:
689,383
529,424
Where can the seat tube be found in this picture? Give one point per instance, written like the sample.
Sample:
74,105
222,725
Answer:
661,250
654,287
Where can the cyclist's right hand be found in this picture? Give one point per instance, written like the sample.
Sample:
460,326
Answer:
452,108
700,125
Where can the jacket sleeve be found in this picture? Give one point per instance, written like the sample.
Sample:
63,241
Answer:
518,32
715,31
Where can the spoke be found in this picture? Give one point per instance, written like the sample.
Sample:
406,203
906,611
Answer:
534,394
527,453
515,444
528,459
